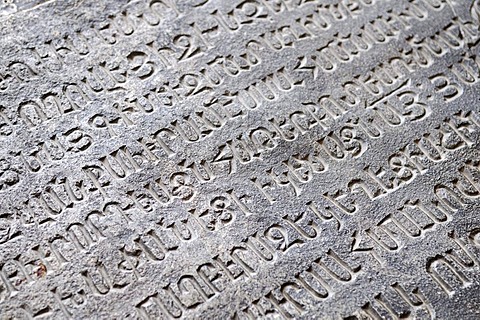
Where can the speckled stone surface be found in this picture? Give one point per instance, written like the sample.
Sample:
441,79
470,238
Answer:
214,159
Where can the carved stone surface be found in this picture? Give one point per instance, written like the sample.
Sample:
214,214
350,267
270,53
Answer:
215,159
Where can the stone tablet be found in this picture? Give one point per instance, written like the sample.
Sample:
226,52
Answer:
240,159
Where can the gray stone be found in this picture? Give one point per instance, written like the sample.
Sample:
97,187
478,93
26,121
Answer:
239,159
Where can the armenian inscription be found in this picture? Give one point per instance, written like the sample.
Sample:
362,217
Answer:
240,159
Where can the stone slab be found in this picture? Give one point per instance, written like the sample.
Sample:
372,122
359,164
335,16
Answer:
213,159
